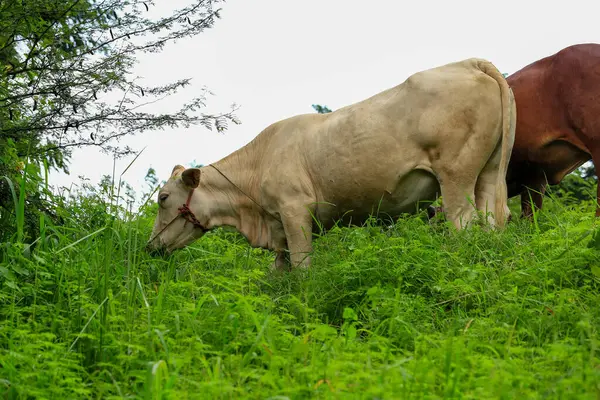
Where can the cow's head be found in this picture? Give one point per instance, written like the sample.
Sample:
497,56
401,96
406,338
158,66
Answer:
179,221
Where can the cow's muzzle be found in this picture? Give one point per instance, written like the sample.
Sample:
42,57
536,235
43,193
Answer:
154,250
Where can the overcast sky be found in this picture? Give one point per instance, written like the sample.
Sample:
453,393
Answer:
275,58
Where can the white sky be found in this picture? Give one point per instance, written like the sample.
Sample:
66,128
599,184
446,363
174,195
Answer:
275,58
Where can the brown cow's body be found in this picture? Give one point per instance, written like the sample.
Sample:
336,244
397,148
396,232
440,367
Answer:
558,121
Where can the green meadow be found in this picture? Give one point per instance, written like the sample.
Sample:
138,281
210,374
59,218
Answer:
412,310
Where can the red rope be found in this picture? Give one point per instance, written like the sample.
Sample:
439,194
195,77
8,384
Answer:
188,214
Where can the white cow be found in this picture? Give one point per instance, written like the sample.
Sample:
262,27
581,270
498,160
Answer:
447,130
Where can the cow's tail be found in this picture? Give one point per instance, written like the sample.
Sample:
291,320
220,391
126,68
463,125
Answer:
509,115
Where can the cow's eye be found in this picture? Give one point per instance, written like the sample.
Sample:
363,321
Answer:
163,197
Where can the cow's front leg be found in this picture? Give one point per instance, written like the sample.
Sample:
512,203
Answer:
598,200
532,193
297,223
596,161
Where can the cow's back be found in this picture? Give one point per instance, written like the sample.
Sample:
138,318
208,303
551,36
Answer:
382,149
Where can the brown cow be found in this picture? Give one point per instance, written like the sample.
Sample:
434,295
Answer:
558,121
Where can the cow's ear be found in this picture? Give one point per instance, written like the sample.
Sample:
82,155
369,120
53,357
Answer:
191,177
177,169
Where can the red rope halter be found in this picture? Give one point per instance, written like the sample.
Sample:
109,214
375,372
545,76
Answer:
188,215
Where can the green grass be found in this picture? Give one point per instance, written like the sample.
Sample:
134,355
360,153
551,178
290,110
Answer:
414,311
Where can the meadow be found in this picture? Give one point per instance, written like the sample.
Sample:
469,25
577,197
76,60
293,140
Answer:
413,310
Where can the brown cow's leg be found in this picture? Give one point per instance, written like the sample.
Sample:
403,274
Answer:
598,201
536,190
513,188
596,160
533,183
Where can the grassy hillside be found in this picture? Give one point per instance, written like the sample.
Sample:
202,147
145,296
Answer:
409,311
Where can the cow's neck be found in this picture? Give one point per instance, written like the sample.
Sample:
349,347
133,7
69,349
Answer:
226,194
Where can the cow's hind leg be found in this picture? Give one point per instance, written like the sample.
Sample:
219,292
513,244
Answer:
458,173
458,194
485,189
